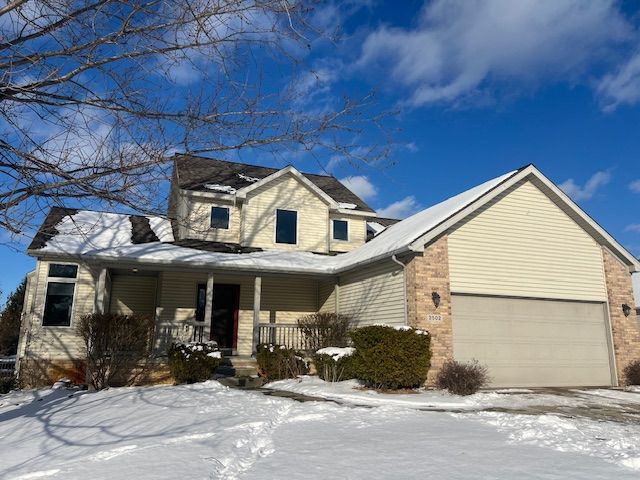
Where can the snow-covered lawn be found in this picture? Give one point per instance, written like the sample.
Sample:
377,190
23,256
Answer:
207,431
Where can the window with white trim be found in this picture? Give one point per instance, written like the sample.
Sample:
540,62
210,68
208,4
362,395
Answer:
341,230
220,217
61,285
287,226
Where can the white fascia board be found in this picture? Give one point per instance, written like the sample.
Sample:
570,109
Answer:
353,213
621,252
242,193
419,244
199,193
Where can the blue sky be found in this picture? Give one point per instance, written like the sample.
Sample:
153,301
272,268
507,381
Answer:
482,88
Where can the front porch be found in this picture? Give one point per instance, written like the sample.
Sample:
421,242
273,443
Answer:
239,311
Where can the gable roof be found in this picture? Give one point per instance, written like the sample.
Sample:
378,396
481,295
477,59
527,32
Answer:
193,173
69,231
112,239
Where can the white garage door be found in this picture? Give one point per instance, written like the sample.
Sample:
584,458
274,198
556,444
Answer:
533,343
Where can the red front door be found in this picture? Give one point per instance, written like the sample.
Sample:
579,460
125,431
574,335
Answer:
224,316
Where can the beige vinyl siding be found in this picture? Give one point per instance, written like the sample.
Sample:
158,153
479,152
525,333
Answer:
373,294
286,299
285,192
326,296
523,244
196,218
133,294
357,230
59,342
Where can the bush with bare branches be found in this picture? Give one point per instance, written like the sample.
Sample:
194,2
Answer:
116,347
323,330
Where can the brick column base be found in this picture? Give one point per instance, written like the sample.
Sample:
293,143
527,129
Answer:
625,330
427,274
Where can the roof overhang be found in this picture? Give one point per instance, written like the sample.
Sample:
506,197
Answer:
290,170
553,191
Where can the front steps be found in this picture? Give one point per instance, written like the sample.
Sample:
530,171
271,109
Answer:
238,366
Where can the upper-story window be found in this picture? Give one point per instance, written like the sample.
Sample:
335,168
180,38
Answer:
287,226
220,217
340,230
61,284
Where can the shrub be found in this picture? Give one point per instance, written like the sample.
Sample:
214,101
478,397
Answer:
632,373
7,383
335,364
193,362
276,362
462,378
115,346
391,358
323,330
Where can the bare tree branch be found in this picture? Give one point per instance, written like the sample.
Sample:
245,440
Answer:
95,94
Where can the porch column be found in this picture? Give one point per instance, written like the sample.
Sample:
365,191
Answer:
257,292
101,292
208,309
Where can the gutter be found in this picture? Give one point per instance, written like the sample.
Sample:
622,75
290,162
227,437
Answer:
394,259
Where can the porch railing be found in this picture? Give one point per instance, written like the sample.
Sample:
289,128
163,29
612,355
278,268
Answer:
289,335
7,366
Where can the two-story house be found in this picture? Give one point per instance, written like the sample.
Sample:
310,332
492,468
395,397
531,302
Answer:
511,272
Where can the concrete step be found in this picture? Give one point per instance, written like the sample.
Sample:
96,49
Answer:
250,382
238,366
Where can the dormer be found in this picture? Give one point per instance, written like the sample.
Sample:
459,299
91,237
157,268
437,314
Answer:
260,207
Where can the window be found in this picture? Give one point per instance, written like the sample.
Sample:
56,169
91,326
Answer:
59,298
201,302
63,270
340,230
287,226
220,217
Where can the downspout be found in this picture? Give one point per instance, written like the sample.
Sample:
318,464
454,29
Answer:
394,259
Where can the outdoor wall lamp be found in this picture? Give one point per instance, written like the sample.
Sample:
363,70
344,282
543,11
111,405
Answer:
435,296
626,309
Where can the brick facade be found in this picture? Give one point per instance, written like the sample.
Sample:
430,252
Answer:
426,274
626,330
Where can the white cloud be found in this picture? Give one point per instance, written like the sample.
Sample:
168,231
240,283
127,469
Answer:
635,186
361,186
634,227
400,209
459,46
589,189
623,86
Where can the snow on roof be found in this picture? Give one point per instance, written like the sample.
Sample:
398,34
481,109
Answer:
375,227
220,188
86,231
400,235
635,280
108,236
269,260
347,206
249,178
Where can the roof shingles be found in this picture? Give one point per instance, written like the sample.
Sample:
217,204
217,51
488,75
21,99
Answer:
193,173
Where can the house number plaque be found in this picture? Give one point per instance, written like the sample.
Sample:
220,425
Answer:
434,318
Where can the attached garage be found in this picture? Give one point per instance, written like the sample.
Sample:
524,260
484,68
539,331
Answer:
529,298
534,343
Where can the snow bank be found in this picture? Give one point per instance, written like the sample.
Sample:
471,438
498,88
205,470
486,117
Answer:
209,431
